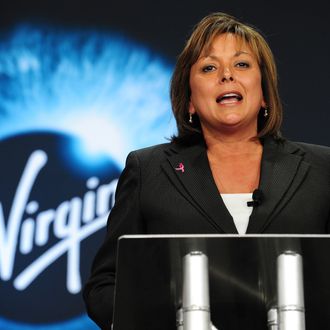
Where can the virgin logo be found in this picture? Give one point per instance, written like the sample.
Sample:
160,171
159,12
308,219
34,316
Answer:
70,222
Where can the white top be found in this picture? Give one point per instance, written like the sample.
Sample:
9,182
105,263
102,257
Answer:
237,207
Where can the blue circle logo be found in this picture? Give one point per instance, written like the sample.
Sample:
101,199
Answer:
73,104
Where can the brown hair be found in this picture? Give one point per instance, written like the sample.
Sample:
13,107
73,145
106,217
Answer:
202,36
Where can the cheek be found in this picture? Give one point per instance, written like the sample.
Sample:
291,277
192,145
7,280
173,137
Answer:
194,82
254,87
254,80
197,90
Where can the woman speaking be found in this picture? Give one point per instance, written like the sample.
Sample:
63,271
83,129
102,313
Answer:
228,170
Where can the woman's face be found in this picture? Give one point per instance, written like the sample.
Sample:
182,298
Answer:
225,85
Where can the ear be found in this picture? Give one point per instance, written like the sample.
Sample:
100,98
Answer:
191,109
263,104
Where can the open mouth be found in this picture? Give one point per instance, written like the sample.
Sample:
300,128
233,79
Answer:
229,98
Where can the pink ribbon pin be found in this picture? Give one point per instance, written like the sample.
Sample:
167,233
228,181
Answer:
180,168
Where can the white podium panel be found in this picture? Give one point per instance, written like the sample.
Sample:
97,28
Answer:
247,286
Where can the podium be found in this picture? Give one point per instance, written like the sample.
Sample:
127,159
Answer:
275,282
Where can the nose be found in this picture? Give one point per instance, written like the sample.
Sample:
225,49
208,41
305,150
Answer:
226,75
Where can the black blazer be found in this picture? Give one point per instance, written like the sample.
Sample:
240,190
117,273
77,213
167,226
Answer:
155,195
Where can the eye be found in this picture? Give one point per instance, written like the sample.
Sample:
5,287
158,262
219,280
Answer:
242,65
208,68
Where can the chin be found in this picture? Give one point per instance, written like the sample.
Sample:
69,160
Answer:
232,120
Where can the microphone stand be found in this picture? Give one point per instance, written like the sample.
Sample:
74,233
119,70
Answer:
195,311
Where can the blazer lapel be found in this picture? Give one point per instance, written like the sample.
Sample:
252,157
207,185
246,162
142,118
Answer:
189,171
282,171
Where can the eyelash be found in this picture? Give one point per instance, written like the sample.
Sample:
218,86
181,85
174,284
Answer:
242,64
209,68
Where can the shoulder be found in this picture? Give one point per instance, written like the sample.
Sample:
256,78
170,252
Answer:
151,158
152,155
152,150
142,163
313,150
313,153
158,151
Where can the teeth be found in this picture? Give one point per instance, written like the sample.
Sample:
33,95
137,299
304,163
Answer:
228,95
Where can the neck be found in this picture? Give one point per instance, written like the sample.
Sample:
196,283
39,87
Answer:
231,138
232,145
235,164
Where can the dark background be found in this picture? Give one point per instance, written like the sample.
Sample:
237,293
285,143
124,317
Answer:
297,32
